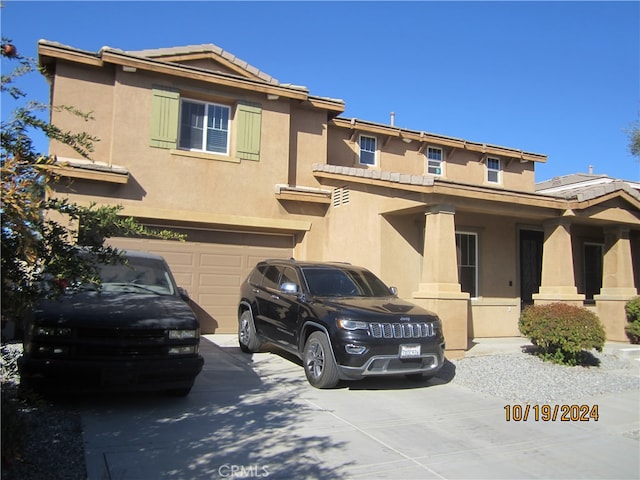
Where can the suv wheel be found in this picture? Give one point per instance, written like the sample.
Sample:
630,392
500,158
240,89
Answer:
319,365
247,336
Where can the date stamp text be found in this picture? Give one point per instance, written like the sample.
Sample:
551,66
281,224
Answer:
551,413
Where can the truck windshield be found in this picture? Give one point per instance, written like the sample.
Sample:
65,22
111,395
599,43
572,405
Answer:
139,273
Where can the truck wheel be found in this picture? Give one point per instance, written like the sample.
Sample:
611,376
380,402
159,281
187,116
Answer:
319,366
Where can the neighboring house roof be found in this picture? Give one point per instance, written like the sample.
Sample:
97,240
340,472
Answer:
586,186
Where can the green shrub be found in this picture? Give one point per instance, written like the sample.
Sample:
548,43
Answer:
632,307
563,333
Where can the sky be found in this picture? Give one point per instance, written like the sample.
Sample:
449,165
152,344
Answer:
556,78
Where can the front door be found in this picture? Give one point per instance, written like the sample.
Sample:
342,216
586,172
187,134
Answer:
592,269
531,243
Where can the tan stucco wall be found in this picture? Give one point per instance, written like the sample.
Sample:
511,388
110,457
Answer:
459,166
90,90
172,179
380,228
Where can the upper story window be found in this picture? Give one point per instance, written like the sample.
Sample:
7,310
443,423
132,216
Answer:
493,170
434,160
367,150
204,127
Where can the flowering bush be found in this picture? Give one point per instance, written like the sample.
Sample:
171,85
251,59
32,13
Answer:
563,333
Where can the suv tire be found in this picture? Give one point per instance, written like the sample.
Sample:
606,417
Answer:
319,366
247,336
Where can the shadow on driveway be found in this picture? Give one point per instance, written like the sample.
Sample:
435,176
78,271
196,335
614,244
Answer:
233,424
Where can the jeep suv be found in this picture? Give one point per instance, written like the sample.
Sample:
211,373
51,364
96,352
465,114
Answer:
134,332
342,321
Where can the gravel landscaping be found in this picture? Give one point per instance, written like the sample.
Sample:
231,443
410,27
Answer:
55,448
524,378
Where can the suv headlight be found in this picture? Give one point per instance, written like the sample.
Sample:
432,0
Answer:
182,334
348,324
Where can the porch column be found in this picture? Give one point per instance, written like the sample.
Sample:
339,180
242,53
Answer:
558,277
617,283
440,290
440,261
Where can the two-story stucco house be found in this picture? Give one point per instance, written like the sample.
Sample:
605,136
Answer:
195,140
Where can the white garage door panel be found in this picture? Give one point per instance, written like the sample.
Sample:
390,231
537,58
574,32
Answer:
213,268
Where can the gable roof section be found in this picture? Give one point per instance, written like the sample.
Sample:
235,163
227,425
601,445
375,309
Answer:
207,51
162,61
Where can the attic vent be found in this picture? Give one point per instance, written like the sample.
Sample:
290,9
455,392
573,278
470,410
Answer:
340,196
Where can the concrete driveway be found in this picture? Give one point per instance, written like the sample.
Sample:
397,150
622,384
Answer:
257,417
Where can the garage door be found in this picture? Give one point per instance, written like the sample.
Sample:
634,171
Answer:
211,266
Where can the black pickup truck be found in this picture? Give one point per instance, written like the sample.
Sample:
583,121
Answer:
135,331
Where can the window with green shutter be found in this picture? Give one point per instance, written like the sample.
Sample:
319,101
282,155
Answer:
165,107
249,125
204,127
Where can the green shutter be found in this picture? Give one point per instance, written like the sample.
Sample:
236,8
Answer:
165,106
249,123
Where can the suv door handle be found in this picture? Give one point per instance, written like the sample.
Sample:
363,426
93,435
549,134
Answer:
275,297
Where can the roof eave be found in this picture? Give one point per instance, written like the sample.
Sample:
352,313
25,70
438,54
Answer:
421,136
49,52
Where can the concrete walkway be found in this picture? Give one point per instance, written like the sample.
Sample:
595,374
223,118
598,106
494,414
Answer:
490,346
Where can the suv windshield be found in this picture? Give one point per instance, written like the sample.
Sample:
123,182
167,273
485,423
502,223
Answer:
335,282
140,273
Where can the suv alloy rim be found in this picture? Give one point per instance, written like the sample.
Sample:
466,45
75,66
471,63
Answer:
315,360
244,332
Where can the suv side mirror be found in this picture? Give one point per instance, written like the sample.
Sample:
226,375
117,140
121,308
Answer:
289,287
394,291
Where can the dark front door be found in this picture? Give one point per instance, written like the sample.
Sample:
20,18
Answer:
531,242
592,269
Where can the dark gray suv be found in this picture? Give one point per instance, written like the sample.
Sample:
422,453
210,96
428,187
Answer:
342,321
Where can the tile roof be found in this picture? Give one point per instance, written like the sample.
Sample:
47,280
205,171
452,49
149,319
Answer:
565,180
204,50
582,193
586,186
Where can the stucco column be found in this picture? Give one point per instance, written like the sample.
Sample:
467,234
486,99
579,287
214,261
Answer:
440,290
617,271
617,283
558,277
440,264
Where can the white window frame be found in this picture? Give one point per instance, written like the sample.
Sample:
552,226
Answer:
496,171
475,266
374,151
440,162
203,147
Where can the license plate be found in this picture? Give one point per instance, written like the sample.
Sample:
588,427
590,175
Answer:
409,351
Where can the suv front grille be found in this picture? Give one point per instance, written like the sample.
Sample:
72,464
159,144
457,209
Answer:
401,330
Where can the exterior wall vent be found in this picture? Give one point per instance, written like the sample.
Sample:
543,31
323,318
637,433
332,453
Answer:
340,196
